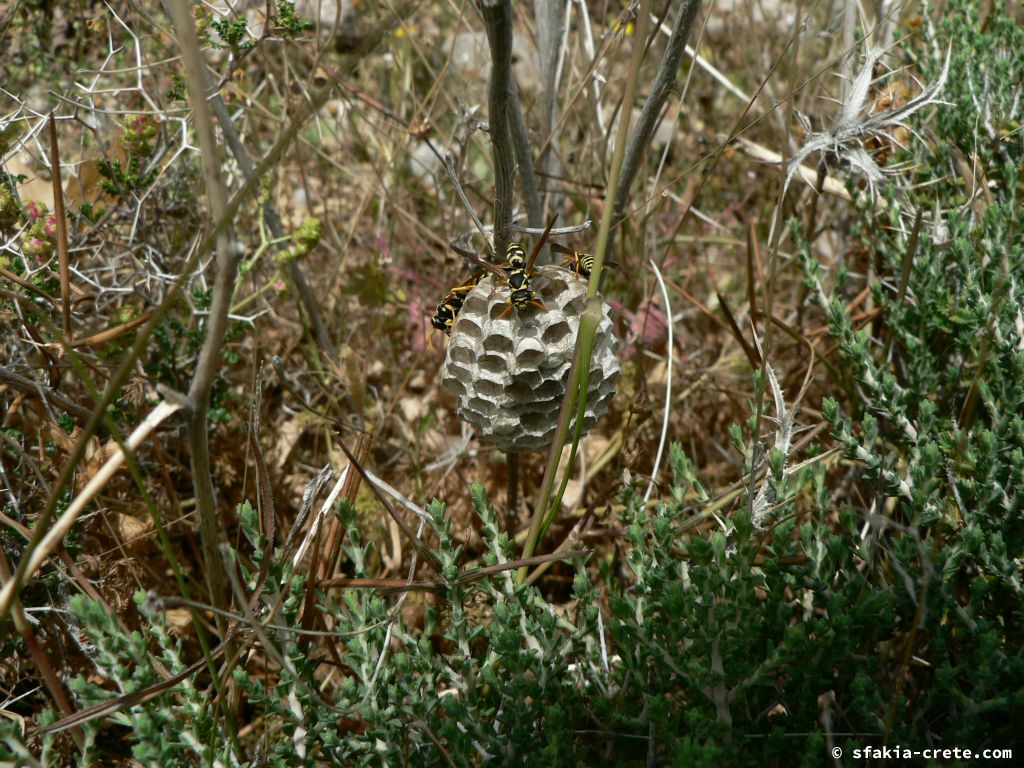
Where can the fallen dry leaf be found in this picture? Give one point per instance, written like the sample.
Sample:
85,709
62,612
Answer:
179,621
132,531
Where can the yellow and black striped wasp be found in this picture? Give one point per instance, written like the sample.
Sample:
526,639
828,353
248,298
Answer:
580,263
517,271
450,305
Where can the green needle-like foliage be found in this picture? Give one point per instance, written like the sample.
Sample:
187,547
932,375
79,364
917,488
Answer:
889,614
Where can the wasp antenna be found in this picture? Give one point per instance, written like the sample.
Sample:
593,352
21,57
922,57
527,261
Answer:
540,244
464,252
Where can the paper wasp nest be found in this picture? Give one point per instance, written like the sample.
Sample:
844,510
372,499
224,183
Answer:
510,373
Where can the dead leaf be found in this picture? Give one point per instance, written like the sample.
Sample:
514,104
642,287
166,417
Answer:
179,621
85,187
131,531
413,409
590,448
288,436
96,456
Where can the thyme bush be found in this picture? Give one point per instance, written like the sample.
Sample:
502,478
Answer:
884,609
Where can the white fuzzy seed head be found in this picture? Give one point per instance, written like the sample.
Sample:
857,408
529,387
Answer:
509,374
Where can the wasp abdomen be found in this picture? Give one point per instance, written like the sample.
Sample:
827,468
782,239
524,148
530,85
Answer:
450,306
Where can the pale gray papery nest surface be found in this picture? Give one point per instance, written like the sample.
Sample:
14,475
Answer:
509,373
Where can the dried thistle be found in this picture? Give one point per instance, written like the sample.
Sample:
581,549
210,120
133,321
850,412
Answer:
853,127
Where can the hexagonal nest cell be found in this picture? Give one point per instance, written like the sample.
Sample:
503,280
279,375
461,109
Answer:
509,373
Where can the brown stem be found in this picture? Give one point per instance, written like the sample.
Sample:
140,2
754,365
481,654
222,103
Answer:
304,111
46,672
62,232
209,362
32,387
497,16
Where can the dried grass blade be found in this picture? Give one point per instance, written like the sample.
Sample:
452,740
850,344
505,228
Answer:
749,351
267,519
62,232
424,551
112,333
112,706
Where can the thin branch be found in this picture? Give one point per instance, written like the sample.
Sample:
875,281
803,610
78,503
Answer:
36,650
62,232
579,371
664,82
554,231
56,533
30,387
497,16
521,142
210,360
449,166
295,273
594,56
287,137
22,282
550,18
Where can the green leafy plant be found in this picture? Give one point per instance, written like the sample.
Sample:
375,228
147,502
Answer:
860,588
288,23
233,34
132,175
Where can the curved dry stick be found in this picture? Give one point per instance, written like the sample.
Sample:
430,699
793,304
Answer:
668,382
55,535
209,362
32,387
287,137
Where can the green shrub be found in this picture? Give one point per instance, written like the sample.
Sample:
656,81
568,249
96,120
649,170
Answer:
885,612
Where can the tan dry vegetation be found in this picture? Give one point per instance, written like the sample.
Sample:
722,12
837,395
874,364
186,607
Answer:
367,166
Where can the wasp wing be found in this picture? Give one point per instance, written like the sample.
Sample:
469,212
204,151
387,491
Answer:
539,244
496,271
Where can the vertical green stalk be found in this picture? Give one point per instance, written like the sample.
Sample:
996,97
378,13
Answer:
545,507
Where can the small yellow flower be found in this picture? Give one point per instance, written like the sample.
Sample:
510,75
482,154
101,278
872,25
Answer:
627,29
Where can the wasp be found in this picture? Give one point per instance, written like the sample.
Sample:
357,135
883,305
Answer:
580,263
517,271
448,309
